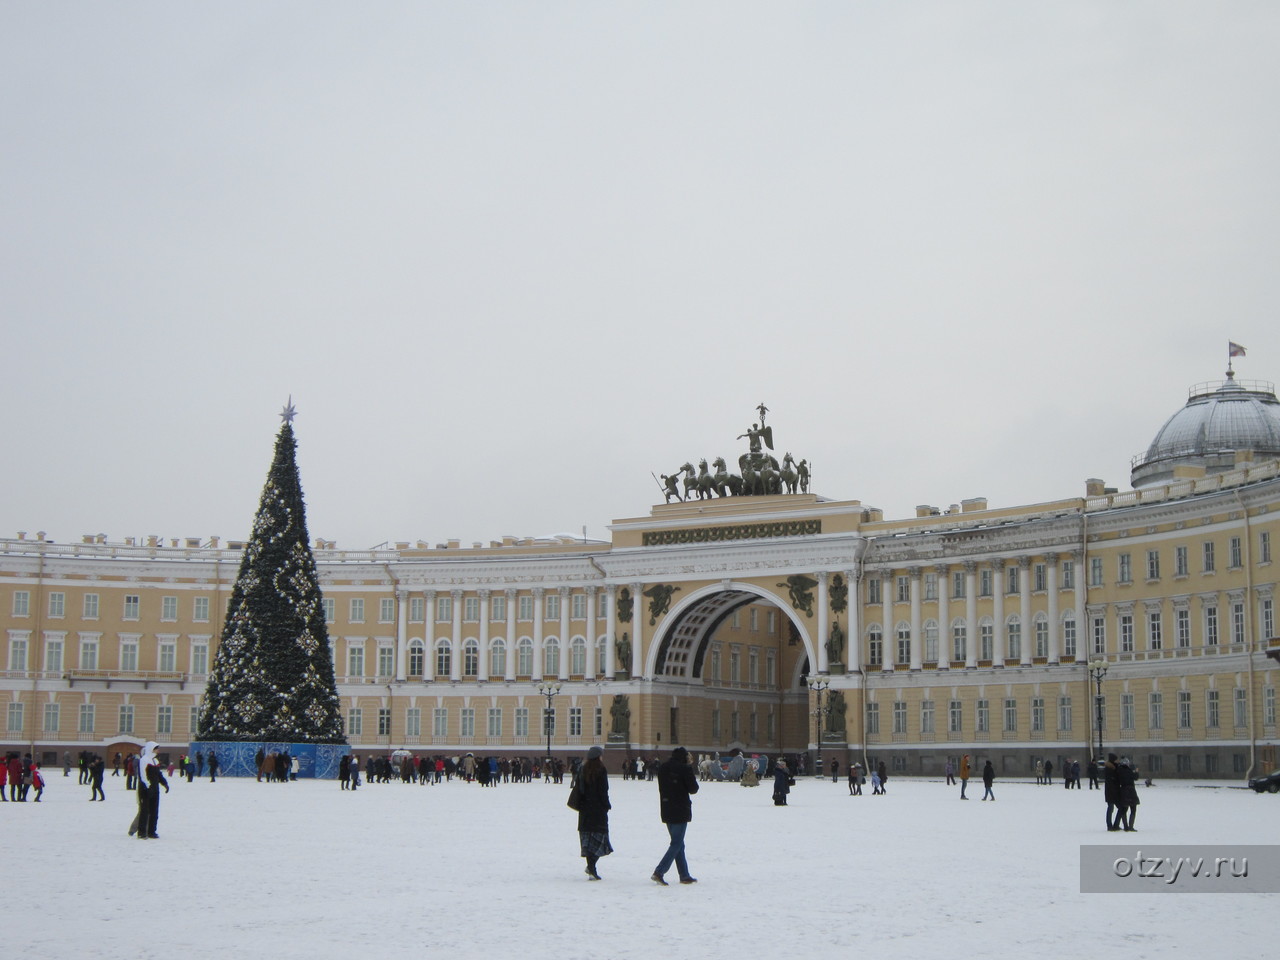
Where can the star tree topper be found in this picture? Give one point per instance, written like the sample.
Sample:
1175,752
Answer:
289,411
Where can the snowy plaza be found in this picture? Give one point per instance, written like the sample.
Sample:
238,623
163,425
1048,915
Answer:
304,869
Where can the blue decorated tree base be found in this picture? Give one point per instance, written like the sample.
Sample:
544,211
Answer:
238,759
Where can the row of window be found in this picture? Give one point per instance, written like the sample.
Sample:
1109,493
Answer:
88,659
167,657
91,604
735,727
1012,575
984,581
1153,622
715,665
982,716
87,719
1214,712
471,607
493,717
753,620
470,663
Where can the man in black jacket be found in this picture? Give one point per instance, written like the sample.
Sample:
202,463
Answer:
676,785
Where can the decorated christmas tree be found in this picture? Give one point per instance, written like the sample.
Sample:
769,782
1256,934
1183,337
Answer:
272,677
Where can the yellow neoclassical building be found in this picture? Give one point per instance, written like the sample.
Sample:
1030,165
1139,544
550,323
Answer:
773,622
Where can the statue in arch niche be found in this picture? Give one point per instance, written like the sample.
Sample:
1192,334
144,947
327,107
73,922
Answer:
620,711
835,643
834,709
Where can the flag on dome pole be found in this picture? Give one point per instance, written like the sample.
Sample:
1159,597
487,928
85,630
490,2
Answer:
1234,350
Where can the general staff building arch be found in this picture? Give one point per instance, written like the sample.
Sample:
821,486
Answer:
707,620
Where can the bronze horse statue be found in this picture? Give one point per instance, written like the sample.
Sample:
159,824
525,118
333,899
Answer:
789,476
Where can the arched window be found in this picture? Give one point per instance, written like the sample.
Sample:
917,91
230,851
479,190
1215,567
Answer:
959,640
875,646
497,657
931,640
417,658
470,657
904,642
444,658
578,656
600,655
1013,634
524,657
986,638
1042,635
551,657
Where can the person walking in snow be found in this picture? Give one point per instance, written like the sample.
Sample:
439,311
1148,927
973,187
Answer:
966,768
592,788
782,781
677,784
988,776
150,780
97,770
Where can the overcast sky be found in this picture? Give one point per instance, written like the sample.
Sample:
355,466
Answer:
511,258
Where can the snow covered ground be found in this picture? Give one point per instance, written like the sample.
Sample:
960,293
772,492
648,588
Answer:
244,869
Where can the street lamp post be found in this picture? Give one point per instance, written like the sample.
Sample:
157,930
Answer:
1098,670
548,690
818,686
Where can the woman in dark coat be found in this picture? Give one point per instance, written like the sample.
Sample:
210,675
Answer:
782,781
593,811
1127,788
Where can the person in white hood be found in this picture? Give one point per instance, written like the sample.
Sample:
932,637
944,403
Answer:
150,780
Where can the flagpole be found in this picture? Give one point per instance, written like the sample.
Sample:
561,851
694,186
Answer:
1233,350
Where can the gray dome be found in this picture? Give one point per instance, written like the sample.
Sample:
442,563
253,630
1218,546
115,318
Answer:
1218,420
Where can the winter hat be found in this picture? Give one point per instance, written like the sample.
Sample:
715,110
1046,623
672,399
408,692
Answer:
594,752
680,754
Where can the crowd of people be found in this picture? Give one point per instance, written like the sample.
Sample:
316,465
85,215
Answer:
487,771
19,773
143,773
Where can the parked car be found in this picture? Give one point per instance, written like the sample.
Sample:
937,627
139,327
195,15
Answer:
1270,783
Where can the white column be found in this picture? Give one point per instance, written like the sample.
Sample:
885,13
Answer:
564,633
997,613
611,631
429,636
539,660
402,634
944,616
511,633
853,655
916,639
591,632
483,672
1084,642
970,614
455,660
1024,609
890,652
1051,587
824,606
637,630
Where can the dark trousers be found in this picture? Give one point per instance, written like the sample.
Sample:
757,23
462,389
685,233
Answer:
148,810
